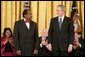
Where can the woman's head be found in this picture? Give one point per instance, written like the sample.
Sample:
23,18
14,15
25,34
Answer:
7,32
76,16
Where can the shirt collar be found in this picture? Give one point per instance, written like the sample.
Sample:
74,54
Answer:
26,20
61,17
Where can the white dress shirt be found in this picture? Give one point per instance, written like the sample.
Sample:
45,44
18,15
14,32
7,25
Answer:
62,18
27,24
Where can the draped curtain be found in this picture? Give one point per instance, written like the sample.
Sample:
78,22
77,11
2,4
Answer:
42,12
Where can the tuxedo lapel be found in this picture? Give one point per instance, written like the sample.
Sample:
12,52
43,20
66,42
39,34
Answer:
31,25
24,25
57,22
63,23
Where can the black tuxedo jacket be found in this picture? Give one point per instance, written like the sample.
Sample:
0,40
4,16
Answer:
26,39
61,38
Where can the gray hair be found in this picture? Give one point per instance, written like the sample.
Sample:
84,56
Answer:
62,7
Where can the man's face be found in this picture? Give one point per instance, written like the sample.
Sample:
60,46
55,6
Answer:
76,37
59,11
28,16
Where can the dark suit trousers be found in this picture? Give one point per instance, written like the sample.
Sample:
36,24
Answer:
59,53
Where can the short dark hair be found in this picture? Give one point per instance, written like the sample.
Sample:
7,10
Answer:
25,12
5,29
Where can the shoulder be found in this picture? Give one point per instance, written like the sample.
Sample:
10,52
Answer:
34,23
78,21
54,19
18,22
3,38
68,18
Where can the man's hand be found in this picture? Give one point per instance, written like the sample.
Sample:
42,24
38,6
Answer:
35,52
44,42
70,48
77,44
49,47
18,52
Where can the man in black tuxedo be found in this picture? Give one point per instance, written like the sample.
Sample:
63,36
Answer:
61,33
26,35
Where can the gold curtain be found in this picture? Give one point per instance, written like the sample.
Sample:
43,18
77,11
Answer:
11,11
42,12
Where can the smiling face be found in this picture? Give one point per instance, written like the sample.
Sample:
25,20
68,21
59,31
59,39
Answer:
76,37
60,10
29,15
8,33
